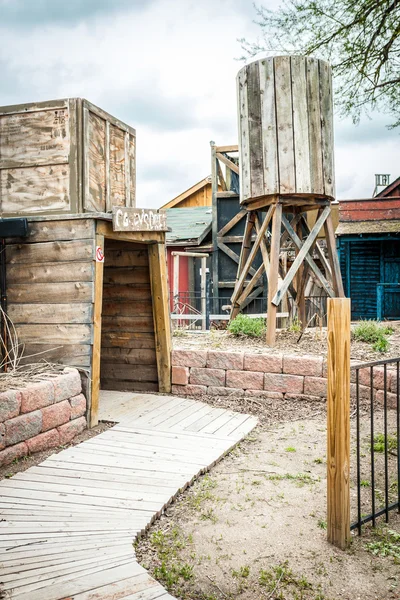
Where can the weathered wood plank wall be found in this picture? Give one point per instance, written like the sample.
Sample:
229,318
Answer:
50,290
128,349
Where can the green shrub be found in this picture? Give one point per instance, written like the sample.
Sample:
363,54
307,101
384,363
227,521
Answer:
373,332
248,326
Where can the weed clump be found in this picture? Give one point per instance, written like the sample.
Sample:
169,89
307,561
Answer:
374,333
244,325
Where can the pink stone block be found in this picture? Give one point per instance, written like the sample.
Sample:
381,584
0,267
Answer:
36,396
2,436
180,375
303,365
189,358
225,360
189,390
390,398
67,385
78,406
251,380
378,377
44,441
10,405
315,386
214,377
70,430
12,453
56,415
266,363
23,427
291,384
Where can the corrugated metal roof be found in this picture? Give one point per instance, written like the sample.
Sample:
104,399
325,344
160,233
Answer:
356,227
188,225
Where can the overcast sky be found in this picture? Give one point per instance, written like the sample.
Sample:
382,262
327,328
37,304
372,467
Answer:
168,68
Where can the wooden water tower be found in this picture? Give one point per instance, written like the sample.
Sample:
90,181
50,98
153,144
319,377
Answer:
286,169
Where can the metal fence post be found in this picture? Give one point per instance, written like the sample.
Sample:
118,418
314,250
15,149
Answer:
338,425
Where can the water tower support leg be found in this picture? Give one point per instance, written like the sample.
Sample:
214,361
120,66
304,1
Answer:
273,274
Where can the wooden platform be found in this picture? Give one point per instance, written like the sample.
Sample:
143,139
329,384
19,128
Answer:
67,526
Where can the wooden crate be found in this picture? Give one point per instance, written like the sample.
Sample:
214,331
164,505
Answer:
64,156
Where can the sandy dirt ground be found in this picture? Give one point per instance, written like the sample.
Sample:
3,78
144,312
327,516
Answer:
255,526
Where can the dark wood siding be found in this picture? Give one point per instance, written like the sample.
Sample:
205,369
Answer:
128,356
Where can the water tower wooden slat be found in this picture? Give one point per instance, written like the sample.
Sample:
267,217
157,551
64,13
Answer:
286,168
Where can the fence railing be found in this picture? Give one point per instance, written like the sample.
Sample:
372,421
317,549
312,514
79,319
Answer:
191,310
377,440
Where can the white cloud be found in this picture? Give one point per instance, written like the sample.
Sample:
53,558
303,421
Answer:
167,68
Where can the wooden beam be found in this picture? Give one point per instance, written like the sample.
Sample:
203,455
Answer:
333,257
263,247
233,148
253,253
231,165
302,271
96,349
161,318
318,250
273,275
214,223
338,422
303,255
238,217
221,178
251,285
227,195
235,257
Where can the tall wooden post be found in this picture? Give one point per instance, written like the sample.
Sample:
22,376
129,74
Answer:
338,426
273,274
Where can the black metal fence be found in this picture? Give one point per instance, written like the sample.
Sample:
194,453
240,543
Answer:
377,432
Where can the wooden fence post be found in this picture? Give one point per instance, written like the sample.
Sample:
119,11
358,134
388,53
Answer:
338,446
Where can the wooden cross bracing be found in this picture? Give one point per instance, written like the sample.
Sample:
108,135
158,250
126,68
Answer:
271,244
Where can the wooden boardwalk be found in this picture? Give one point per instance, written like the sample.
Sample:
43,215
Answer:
67,526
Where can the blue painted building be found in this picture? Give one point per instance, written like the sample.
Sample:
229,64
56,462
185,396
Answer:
368,238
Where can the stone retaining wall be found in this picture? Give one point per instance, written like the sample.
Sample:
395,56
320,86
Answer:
294,377
45,414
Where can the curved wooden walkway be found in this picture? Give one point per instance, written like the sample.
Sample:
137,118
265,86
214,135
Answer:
67,526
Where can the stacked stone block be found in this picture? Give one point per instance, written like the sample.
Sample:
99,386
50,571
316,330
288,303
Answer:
43,415
294,377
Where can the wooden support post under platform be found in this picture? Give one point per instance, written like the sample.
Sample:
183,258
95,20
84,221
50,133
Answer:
273,274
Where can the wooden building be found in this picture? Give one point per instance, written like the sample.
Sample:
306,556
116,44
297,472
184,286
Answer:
199,194
80,292
369,246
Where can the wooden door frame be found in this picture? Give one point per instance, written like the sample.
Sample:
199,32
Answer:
160,305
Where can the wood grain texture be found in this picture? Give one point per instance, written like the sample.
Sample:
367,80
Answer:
95,194
34,138
162,324
65,251
300,125
34,190
97,328
314,116
285,133
50,313
52,272
268,124
49,231
117,166
338,422
55,334
71,354
58,293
